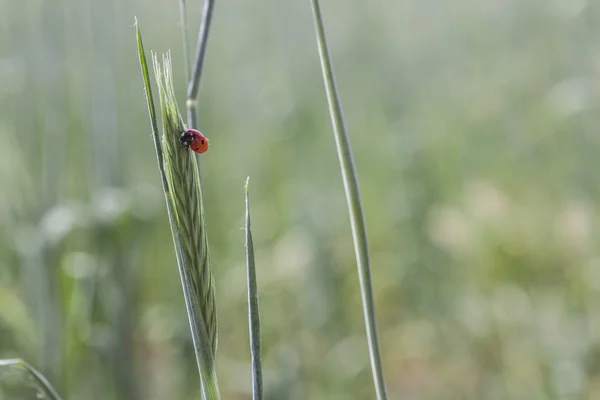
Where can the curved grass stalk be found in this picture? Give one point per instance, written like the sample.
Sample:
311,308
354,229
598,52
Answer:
357,220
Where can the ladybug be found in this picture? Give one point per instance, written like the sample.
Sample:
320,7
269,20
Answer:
194,140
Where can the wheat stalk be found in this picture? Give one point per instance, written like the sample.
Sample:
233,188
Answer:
181,185
183,179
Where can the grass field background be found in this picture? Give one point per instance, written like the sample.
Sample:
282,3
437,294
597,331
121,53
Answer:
476,132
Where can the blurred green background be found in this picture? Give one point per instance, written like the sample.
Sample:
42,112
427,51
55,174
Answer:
475,126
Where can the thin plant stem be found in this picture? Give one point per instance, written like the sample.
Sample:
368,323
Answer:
353,199
253,314
40,379
194,81
184,38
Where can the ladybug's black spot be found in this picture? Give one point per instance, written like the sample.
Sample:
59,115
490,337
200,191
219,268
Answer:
202,141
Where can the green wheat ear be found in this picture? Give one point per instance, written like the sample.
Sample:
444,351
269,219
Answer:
181,184
183,178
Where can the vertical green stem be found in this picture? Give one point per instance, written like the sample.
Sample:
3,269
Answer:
354,204
253,314
194,83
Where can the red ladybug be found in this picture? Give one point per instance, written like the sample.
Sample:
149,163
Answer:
194,140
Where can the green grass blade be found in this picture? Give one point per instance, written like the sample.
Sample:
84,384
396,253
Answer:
150,103
181,185
253,314
39,378
357,221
